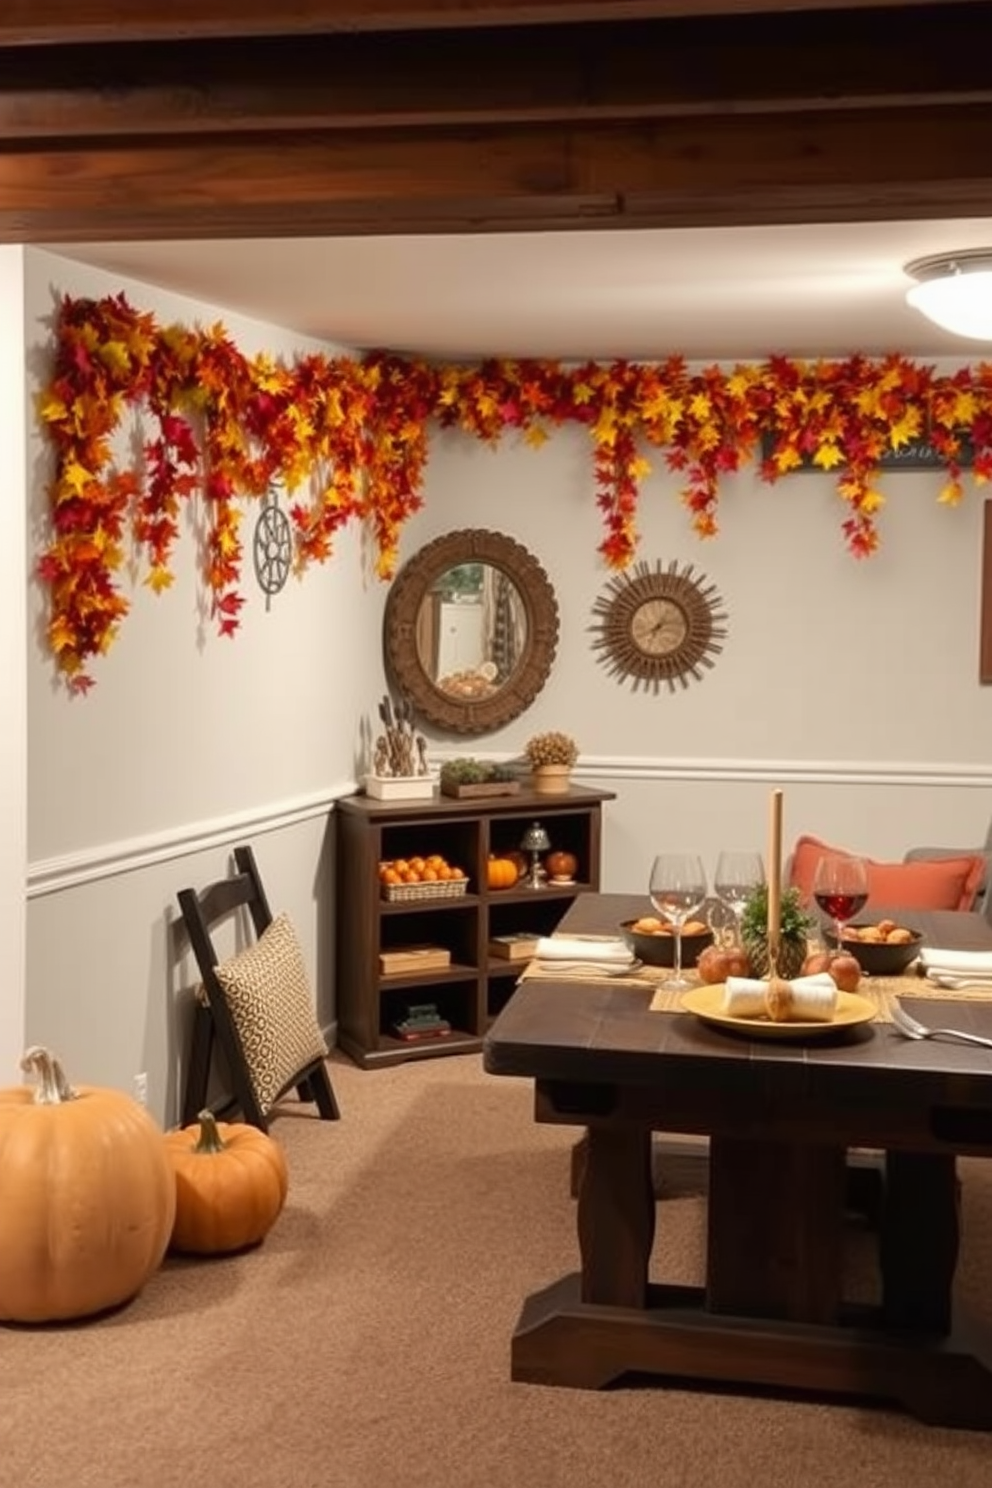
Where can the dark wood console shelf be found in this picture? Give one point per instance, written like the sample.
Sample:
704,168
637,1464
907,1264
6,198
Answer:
474,988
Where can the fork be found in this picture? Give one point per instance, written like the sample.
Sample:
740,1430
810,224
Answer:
914,1029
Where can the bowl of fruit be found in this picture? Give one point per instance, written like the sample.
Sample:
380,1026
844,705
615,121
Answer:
881,949
653,942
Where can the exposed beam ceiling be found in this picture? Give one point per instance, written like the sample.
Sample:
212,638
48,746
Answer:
27,23
746,117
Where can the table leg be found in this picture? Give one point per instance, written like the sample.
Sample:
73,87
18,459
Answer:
775,1229
616,1216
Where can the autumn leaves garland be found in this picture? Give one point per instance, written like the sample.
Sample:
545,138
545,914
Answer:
347,440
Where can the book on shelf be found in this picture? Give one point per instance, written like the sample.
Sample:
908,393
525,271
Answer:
413,958
521,945
421,1035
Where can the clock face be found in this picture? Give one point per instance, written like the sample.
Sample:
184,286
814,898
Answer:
658,626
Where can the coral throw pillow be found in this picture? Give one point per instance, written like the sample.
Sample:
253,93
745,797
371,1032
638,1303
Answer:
941,883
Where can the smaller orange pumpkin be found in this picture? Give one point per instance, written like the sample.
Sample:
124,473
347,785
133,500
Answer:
501,873
231,1184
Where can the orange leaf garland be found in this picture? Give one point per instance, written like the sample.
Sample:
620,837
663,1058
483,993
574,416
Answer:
348,441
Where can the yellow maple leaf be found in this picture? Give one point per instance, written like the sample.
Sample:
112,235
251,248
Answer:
535,436
868,400
871,501
906,428
965,406
52,410
701,406
159,579
60,635
950,493
76,478
115,355
581,393
639,468
828,456
787,459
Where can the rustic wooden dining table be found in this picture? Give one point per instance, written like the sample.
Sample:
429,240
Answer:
781,1118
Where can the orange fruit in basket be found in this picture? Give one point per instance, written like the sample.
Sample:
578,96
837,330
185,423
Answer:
458,873
418,864
401,865
390,876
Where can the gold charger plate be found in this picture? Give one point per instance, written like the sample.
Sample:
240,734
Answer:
707,1003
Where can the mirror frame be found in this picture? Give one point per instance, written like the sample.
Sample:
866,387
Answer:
410,588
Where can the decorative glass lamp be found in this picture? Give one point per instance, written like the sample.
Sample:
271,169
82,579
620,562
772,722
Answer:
534,841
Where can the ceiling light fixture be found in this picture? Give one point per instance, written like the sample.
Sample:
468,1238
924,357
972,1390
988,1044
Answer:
954,290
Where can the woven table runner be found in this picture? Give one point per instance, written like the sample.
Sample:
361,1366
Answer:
877,989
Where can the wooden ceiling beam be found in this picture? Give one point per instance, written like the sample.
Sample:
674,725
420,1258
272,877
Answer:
650,70
922,162
54,22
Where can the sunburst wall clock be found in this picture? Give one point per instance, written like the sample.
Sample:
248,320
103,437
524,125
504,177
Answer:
659,625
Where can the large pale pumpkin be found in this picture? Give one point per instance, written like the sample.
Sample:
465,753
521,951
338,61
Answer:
87,1197
231,1184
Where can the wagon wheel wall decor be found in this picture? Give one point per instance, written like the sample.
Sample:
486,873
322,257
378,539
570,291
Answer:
272,548
659,625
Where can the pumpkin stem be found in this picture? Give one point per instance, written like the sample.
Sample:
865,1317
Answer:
210,1139
52,1088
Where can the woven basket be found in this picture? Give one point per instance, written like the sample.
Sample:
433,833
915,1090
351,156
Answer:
451,888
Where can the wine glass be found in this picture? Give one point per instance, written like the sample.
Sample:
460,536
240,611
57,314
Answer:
677,888
840,888
737,875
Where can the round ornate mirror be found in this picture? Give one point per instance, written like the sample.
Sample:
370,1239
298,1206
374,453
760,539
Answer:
470,630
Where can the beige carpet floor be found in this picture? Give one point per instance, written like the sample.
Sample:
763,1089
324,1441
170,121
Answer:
365,1344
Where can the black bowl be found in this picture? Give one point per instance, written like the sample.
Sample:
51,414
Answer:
659,949
880,957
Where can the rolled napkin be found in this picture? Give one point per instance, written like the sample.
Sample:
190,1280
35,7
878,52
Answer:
808,999
957,968
571,948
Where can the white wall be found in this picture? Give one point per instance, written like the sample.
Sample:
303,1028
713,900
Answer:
187,744
13,712
852,684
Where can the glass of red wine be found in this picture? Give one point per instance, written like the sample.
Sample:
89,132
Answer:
840,888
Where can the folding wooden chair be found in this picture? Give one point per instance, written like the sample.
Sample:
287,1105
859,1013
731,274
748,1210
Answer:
213,1023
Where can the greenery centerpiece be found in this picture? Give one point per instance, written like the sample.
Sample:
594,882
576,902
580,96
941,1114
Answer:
794,927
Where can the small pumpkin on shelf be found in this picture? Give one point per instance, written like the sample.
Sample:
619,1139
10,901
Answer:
88,1197
502,871
231,1184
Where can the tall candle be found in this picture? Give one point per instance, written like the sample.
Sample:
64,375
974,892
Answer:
775,870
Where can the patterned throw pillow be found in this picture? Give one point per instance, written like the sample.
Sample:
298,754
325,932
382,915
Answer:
268,994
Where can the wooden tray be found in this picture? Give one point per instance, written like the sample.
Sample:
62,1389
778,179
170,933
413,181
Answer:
480,789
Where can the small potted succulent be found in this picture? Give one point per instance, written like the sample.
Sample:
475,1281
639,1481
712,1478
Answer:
551,757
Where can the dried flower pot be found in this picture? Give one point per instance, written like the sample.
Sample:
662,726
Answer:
551,780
